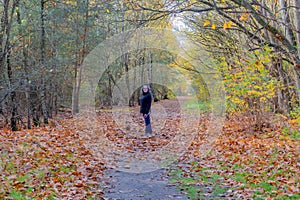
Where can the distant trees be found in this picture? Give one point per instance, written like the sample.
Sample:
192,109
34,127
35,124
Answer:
42,45
238,34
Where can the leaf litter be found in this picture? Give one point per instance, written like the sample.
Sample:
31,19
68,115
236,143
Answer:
62,160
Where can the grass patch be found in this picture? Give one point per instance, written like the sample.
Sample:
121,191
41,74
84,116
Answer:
16,195
286,197
193,104
192,191
23,178
240,177
219,190
190,185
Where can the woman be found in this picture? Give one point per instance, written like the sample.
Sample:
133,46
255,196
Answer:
145,107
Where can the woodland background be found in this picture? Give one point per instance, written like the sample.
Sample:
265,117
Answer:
44,43
254,43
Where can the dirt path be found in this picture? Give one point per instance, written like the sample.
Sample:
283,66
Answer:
122,184
139,186
135,163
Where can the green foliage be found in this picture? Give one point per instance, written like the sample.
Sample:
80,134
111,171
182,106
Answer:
170,95
248,82
289,134
295,135
295,112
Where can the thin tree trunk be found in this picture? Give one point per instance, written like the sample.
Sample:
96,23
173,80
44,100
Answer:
295,69
283,95
126,67
13,119
76,89
77,79
150,74
43,54
3,50
2,34
7,53
150,68
110,85
132,97
79,61
25,63
286,19
142,62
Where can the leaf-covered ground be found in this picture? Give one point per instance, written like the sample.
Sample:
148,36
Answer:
47,163
244,164
61,160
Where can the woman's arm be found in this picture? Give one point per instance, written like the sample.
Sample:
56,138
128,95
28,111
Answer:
148,106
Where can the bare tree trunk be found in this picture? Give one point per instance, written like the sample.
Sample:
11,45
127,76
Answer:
267,35
77,72
132,97
13,119
76,89
25,63
43,54
126,67
150,74
3,50
2,34
6,25
295,69
79,61
283,95
150,68
142,70
110,85
286,19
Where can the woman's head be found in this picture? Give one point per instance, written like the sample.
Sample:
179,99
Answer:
145,89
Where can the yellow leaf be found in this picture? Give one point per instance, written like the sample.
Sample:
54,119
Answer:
223,1
206,23
107,10
213,26
244,17
225,26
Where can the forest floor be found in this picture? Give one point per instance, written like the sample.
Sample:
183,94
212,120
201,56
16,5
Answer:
93,156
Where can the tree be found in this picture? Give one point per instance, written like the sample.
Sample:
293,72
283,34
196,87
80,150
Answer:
80,54
5,58
255,23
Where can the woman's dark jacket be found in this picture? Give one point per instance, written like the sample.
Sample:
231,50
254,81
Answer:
145,103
